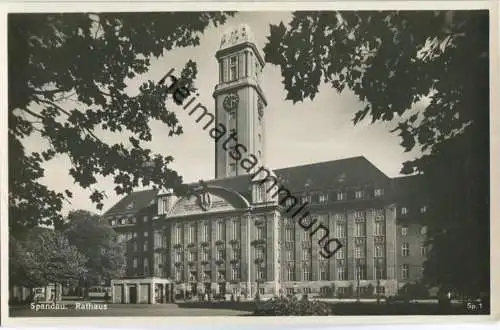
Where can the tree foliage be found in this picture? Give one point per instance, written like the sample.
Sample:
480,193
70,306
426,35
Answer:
43,257
68,77
391,61
97,241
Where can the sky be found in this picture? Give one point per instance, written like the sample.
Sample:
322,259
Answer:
296,134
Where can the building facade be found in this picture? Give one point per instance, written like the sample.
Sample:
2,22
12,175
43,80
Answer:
237,236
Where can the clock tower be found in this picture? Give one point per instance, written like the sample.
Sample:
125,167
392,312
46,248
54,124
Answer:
239,102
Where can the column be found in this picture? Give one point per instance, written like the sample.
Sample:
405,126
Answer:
126,297
271,242
241,65
298,249
246,63
332,261
221,75
391,248
152,292
370,246
315,245
244,248
350,245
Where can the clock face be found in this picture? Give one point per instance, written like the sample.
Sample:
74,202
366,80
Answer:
231,102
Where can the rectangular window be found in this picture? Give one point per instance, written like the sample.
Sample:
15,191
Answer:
306,274
192,256
205,255
259,253
146,234
404,210
379,213
235,273
404,230
423,251
113,222
260,232
236,230
380,271
359,229
233,68
405,249
359,194
359,214
405,271
340,254
145,247
290,273
221,275
423,209
220,231
306,199
359,251
178,274
341,196
178,256
423,230
323,198
289,234
146,266
220,254
289,255
232,115
340,230
379,251
261,273
306,254
236,254
192,233
341,273
204,232
178,235
145,218
360,272
379,192
134,262
323,272
379,229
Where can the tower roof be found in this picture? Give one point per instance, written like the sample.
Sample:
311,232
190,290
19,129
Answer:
236,35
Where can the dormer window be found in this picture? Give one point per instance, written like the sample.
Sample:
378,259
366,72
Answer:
379,192
359,194
341,196
423,209
122,221
113,222
404,210
306,199
130,206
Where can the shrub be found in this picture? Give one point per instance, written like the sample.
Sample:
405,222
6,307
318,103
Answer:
292,306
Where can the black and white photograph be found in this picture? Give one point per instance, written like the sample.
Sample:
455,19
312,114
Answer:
254,163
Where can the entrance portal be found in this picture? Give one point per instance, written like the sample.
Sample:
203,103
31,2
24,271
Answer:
132,294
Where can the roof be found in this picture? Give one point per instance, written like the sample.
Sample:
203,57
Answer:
133,202
354,171
408,188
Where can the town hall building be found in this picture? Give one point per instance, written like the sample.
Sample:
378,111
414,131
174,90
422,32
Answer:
235,235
